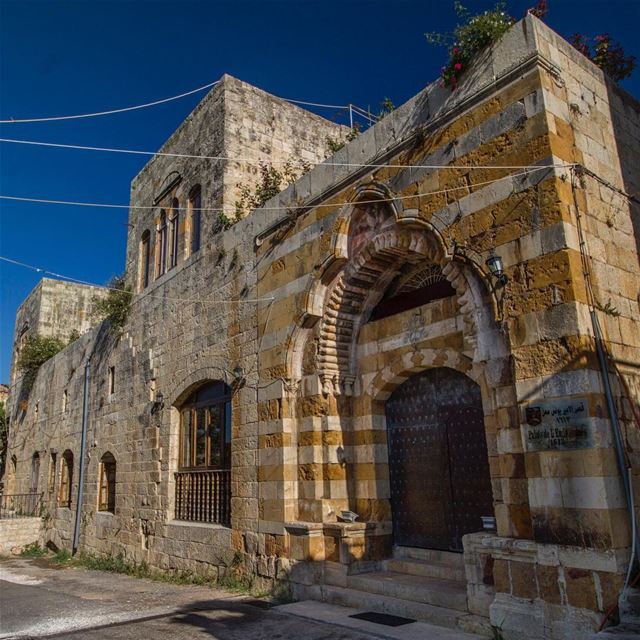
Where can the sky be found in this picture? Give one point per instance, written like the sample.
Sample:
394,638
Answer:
60,58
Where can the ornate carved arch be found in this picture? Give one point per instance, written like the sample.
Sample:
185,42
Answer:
366,254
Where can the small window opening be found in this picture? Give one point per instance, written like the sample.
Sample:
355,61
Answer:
107,489
195,206
66,479
53,464
145,259
65,401
112,380
161,246
173,234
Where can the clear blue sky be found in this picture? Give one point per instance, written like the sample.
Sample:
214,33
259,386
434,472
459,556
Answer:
59,58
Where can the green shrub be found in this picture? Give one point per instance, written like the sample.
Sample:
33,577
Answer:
115,305
33,550
34,353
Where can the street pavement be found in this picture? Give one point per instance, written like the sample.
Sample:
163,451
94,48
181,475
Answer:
40,600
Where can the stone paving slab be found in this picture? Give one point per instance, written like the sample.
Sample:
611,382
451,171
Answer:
340,616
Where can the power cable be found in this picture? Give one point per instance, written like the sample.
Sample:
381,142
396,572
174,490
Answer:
111,111
354,165
133,293
529,170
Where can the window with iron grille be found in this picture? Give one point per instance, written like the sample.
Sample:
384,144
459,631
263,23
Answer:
203,487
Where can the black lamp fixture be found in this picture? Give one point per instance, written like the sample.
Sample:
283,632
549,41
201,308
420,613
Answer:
496,269
238,377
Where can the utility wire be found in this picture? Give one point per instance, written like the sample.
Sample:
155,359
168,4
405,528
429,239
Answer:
230,159
157,102
111,111
25,265
527,171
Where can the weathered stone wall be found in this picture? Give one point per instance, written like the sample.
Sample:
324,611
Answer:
17,533
193,324
55,309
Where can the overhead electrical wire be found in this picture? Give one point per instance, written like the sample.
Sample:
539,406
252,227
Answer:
110,111
32,267
326,163
527,171
154,103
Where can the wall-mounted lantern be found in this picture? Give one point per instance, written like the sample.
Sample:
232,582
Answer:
496,269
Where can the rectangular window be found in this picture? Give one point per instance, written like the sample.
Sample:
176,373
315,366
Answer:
51,485
145,253
66,479
195,205
112,380
173,241
107,488
65,401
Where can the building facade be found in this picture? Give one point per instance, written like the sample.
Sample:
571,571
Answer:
347,349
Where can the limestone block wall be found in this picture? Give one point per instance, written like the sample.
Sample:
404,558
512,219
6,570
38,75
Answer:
530,344
17,533
597,125
57,309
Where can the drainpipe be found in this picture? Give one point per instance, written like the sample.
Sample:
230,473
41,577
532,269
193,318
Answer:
83,449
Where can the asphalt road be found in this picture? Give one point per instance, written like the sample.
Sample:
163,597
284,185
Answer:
38,600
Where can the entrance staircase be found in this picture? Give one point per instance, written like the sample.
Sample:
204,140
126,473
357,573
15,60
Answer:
421,584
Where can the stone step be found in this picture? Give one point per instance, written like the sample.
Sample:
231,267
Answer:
429,555
429,569
440,616
433,591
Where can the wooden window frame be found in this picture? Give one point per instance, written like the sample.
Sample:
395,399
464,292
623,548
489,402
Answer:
53,470
224,443
195,219
66,480
174,228
107,484
161,245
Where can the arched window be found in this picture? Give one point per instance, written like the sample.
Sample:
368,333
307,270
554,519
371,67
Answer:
107,488
161,245
145,258
413,287
35,473
206,428
66,479
174,220
203,482
195,217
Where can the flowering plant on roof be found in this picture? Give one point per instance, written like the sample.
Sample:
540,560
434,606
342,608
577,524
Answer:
607,54
469,38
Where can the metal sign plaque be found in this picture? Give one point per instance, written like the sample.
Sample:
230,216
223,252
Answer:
558,425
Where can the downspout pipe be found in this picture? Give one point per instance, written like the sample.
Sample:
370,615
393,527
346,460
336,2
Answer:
617,435
83,451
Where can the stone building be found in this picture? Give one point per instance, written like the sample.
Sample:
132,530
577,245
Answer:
350,348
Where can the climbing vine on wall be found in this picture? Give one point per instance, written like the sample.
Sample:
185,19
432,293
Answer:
271,182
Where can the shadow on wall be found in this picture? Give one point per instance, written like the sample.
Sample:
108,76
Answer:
625,117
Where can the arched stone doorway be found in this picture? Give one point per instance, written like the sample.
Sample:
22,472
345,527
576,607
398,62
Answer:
440,483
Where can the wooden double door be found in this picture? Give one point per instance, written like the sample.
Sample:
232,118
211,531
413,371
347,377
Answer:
438,461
